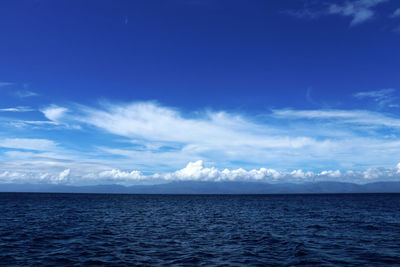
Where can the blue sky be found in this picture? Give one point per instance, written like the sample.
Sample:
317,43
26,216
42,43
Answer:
152,91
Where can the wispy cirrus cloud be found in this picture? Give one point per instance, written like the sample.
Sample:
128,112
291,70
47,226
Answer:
384,97
146,141
281,138
363,117
150,121
16,109
359,11
28,144
25,93
304,13
4,84
18,90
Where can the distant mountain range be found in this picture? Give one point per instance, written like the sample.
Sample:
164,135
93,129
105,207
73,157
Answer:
192,187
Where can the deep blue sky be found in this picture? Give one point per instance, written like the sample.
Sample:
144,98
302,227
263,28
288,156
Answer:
222,54
252,59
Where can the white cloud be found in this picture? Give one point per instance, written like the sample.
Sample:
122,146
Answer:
384,97
145,137
54,113
117,174
36,122
217,136
149,121
301,174
84,174
346,116
360,10
63,175
44,169
28,144
194,171
16,109
331,173
159,138
25,93
374,173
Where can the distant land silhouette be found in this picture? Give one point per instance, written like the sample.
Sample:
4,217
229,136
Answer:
196,187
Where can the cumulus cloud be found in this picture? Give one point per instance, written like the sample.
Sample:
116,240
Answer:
301,174
160,138
64,175
146,137
121,175
48,170
331,173
194,171
375,173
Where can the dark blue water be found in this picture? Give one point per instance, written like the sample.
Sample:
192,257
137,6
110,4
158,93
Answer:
85,229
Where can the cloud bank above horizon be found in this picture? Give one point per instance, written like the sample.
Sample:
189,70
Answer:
92,174
146,142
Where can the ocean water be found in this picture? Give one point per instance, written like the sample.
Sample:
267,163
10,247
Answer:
253,230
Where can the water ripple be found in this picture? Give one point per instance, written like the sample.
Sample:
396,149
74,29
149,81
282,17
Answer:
125,230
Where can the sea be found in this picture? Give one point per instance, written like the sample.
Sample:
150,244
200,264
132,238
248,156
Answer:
46,229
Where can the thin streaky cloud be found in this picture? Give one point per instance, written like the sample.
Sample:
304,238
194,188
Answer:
27,123
25,93
4,84
218,137
39,122
345,116
28,144
305,13
359,11
383,97
150,130
157,123
16,109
